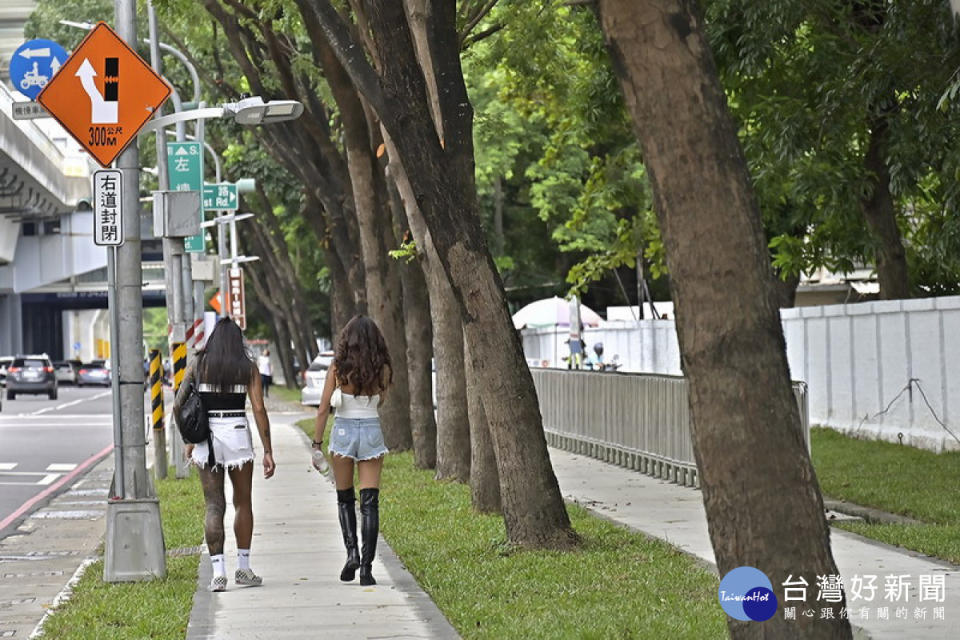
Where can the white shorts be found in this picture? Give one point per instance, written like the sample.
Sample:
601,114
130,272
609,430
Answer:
232,443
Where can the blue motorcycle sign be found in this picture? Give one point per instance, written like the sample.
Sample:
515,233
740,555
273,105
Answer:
33,64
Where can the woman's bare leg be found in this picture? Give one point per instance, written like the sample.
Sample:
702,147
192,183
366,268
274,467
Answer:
211,479
368,472
342,471
242,480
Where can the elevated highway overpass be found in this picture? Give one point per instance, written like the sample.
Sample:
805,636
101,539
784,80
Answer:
50,268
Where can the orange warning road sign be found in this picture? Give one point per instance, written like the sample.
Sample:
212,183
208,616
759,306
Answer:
104,93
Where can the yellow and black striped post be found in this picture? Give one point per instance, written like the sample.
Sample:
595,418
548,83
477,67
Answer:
179,364
156,389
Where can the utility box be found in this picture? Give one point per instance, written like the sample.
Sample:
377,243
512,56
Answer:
176,214
204,268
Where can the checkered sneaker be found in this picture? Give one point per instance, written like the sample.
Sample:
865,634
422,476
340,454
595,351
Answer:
247,578
219,583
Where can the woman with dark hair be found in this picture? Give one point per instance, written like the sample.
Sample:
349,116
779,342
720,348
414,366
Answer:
225,376
360,374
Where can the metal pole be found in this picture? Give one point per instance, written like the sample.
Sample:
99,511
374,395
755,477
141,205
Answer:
171,271
182,58
134,541
130,300
118,483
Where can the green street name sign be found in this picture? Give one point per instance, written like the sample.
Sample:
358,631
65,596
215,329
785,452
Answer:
185,168
220,197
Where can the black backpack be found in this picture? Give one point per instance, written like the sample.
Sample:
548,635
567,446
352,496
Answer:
192,420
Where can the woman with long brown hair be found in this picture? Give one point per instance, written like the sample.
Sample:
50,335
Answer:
361,374
225,375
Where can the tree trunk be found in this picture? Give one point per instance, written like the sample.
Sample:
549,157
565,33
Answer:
453,435
880,214
441,175
279,327
453,424
484,479
384,303
281,294
279,261
416,309
498,240
342,304
785,291
760,491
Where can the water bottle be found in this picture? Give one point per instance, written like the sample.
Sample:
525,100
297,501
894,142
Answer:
320,462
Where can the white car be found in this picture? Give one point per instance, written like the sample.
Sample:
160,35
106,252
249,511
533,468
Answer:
314,378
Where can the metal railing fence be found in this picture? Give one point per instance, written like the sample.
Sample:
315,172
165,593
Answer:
636,420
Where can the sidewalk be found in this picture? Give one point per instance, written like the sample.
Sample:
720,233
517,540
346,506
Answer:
298,550
48,548
676,514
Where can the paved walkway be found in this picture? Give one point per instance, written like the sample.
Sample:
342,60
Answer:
676,515
298,550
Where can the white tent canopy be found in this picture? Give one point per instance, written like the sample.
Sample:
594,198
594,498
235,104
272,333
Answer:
551,312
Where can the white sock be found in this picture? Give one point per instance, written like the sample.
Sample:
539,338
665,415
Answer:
219,566
243,558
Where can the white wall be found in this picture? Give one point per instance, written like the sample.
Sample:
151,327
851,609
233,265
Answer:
866,364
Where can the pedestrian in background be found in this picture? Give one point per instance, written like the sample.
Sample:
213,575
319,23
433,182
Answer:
266,371
225,376
360,374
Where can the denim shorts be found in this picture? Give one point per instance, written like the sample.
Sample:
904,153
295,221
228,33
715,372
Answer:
357,438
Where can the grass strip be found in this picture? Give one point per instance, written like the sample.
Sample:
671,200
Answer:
895,478
158,609
938,540
281,392
619,584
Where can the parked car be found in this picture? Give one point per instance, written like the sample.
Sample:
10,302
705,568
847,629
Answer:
94,372
31,374
66,371
5,362
314,379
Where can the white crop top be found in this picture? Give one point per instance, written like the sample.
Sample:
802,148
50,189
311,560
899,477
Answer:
352,406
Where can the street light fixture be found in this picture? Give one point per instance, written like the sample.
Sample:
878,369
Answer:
254,111
248,112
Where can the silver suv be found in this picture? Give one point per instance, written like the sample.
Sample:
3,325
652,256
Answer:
31,374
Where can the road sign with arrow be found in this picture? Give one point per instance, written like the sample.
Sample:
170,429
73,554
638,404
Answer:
220,197
104,93
34,64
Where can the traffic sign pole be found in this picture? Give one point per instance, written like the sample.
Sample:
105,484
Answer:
175,260
134,547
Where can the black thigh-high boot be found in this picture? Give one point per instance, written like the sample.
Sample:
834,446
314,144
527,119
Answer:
346,502
369,530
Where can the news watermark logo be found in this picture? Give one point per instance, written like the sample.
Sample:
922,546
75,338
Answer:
746,593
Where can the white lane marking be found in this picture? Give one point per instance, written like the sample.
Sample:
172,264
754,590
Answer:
49,478
61,466
8,466
18,484
27,416
50,425
71,403
23,473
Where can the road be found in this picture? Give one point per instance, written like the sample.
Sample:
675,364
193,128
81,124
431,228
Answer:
45,444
